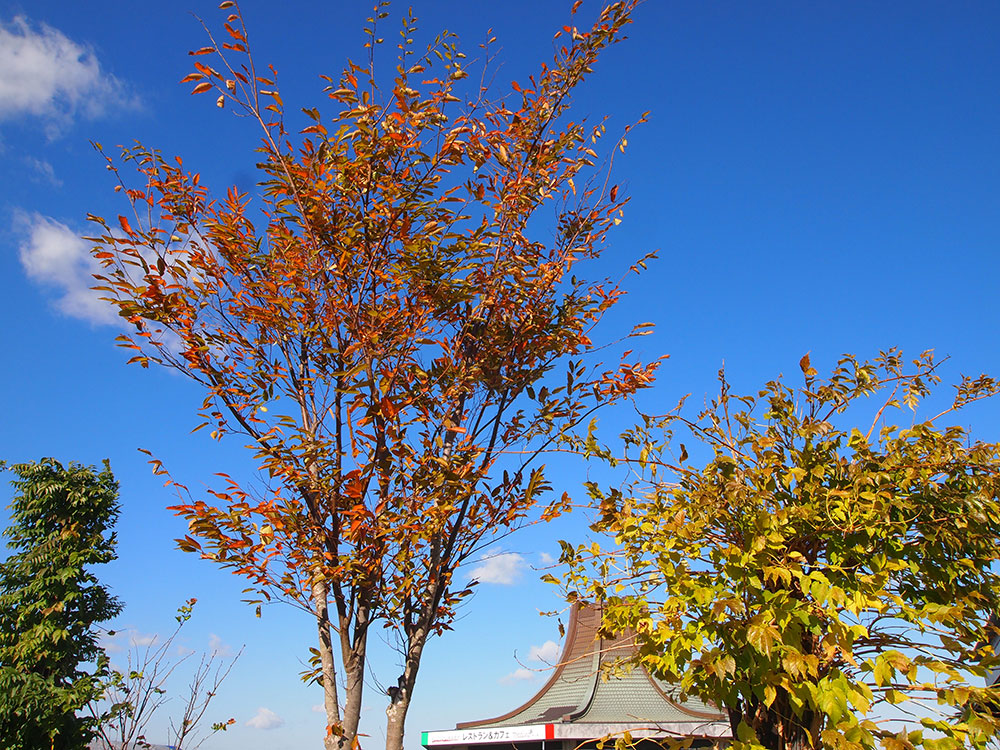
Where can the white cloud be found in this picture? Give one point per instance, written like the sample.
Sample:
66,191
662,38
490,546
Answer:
217,646
44,170
126,638
546,558
110,641
46,74
548,652
504,568
265,718
319,709
135,638
52,254
521,674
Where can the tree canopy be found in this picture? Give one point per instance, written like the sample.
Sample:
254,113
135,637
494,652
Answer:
393,323
829,575
50,602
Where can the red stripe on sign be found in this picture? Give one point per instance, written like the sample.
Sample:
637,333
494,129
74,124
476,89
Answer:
550,731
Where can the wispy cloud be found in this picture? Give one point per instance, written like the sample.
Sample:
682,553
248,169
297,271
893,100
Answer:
521,674
319,708
46,74
504,568
545,558
54,255
548,652
111,642
218,646
44,170
265,718
127,638
135,638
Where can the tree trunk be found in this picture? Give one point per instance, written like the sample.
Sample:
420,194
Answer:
354,673
354,646
396,720
331,740
777,727
401,695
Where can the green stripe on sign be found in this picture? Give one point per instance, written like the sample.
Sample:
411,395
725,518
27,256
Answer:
423,739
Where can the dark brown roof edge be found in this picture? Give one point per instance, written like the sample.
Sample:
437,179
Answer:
563,660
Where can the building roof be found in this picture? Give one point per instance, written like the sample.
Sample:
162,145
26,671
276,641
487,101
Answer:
583,701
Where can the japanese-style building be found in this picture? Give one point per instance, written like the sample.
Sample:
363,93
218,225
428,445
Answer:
579,705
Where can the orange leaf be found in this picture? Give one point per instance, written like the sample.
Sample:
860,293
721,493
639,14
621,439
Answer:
202,87
237,35
125,225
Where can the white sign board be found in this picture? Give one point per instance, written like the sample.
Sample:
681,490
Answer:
486,735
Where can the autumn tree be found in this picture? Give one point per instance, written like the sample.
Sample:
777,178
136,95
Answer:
829,575
51,603
394,324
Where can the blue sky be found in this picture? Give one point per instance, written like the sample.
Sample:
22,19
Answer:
817,177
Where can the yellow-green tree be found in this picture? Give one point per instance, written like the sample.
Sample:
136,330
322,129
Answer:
828,575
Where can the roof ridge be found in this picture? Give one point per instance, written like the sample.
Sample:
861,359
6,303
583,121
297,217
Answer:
574,634
578,692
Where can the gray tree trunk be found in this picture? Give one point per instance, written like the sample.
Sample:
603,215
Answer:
331,703
401,695
353,649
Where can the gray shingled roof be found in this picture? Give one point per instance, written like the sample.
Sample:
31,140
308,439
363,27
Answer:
579,693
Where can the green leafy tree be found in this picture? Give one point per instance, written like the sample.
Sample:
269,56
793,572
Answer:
827,577
50,602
